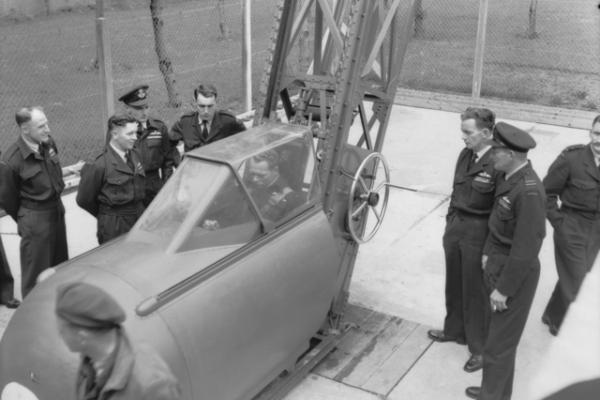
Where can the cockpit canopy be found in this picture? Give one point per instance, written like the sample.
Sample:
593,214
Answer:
233,191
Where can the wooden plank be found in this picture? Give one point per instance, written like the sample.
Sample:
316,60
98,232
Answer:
504,109
353,343
385,377
381,346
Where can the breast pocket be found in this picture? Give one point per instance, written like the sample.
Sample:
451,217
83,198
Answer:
584,193
119,189
482,194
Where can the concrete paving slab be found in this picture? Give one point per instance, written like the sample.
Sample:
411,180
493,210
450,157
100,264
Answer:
315,387
437,375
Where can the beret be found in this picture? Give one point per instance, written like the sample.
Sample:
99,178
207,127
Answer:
87,306
507,135
136,97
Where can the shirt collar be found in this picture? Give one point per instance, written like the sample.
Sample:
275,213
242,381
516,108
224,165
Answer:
481,152
121,153
507,176
35,147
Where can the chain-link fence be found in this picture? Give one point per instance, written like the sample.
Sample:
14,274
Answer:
51,60
543,52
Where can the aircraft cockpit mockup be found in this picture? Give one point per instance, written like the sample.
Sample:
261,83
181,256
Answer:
205,275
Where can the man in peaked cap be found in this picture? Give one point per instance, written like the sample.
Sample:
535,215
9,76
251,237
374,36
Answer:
206,124
158,153
510,263
574,178
111,368
474,184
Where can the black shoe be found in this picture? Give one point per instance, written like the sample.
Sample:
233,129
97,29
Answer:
474,363
439,336
473,391
12,303
551,326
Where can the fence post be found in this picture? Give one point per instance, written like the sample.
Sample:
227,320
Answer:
104,64
247,54
479,49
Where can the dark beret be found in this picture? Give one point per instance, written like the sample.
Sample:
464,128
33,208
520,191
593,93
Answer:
136,97
507,135
88,306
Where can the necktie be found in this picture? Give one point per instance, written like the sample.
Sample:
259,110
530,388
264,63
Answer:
42,150
472,160
129,161
204,129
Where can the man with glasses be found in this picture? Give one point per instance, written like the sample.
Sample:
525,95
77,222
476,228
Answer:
206,124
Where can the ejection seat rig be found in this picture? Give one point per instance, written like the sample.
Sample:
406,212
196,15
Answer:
345,94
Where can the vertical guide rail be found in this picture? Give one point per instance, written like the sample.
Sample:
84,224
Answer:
105,64
479,49
276,62
348,81
247,54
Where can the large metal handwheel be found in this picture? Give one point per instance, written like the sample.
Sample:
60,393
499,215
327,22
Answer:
368,195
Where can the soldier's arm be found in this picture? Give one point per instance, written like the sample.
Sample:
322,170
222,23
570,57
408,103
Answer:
527,241
554,184
90,185
9,190
170,152
176,132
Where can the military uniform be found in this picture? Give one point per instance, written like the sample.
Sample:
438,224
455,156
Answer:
6,279
573,178
517,228
158,154
113,192
189,129
135,374
466,230
30,188
277,200
129,372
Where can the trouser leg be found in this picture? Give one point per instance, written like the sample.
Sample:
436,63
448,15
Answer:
571,253
504,334
474,298
453,323
6,279
36,250
112,226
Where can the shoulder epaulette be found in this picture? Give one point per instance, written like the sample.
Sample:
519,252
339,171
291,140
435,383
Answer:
188,114
573,147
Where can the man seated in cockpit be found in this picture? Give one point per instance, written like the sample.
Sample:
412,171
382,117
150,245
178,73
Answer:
270,191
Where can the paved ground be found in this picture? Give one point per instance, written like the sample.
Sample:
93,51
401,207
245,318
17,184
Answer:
400,273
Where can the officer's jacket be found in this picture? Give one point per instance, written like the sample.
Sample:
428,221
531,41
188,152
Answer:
574,178
473,188
137,373
110,184
156,149
517,228
27,178
189,129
